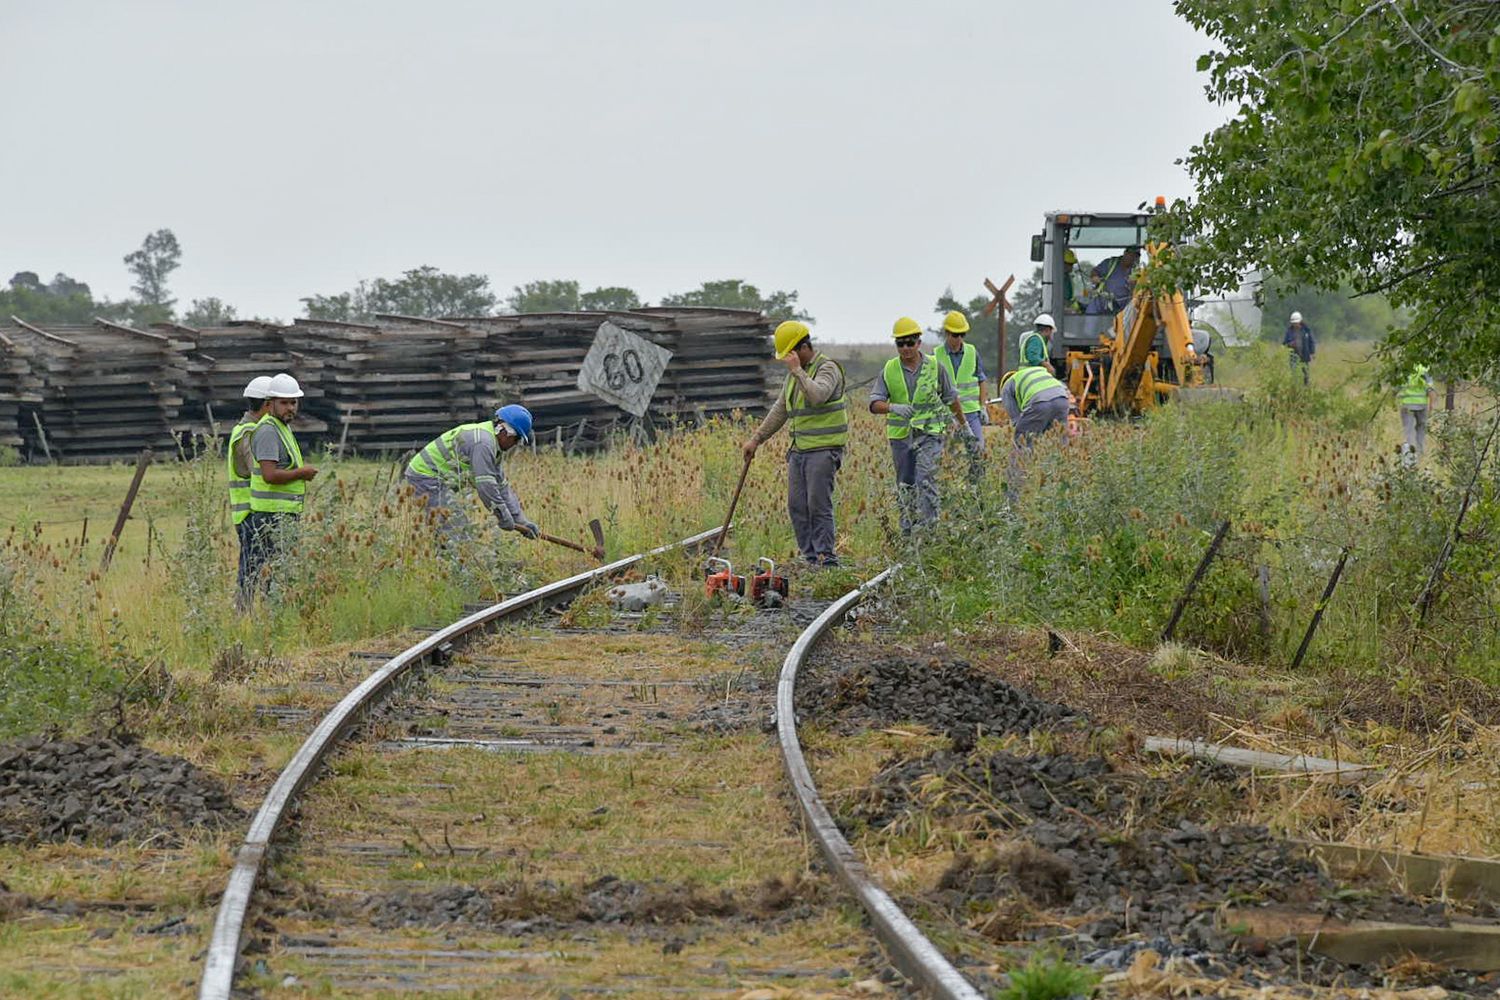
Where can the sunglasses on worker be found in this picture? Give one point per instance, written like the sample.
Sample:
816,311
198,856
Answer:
908,341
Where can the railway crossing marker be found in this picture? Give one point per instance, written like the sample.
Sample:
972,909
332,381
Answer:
623,368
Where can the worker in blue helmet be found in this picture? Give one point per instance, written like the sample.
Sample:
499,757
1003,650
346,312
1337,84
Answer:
472,451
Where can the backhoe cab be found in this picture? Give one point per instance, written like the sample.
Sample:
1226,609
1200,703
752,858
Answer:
1123,348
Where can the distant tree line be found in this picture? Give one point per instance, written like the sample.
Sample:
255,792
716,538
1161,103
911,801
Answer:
421,291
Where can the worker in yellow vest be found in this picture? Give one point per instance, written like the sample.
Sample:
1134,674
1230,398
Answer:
279,480
1033,398
960,361
472,452
812,404
913,392
239,464
1415,398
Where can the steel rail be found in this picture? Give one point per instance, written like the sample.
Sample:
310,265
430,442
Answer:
908,948
223,950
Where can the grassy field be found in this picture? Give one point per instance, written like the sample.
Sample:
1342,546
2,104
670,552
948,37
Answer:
1101,538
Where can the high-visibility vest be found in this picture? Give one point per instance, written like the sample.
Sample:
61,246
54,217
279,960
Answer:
1414,392
964,380
239,489
1030,381
283,498
812,427
440,457
927,406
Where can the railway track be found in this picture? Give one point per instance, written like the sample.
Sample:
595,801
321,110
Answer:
588,803
572,807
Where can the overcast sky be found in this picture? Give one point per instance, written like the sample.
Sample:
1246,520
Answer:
866,154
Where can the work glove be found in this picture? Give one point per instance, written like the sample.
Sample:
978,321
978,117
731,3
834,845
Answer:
902,410
984,416
528,528
507,523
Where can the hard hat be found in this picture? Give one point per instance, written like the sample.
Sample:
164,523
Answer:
1296,318
517,418
259,387
906,327
1045,319
1069,257
788,335
956,322
283,386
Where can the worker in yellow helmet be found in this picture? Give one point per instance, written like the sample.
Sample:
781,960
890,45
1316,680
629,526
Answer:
811,404
960,361
913,392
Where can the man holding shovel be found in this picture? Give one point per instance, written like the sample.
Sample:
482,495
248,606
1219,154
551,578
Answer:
811,403
473,451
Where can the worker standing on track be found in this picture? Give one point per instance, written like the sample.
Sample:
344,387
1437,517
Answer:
1033,399
438,470
240,463
812,403
960,361
1415,398
912,393
279,479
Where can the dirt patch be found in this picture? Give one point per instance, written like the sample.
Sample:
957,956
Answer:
545,907
104,790
1103,859
1115,684
947,695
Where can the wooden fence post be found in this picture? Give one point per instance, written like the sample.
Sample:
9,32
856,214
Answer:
1192,584
135,485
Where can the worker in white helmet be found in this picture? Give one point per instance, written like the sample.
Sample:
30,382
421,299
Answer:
278,484
239,464
1300,344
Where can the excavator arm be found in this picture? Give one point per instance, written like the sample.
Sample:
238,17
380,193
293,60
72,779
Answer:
1131,383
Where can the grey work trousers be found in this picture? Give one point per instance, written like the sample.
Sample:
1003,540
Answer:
810,479
916,459
450,519
1414,427
1038,416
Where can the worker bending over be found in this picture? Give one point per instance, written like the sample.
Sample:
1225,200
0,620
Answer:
1034,399
279,480
239,463
811,403
473,451
913,392
960,361
1415,397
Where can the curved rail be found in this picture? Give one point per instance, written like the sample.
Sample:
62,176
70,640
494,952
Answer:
224,947
907,946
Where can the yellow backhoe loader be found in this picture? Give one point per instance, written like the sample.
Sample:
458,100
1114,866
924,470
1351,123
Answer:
1122,348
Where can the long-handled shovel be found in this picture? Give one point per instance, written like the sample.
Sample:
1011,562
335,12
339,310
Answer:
733,503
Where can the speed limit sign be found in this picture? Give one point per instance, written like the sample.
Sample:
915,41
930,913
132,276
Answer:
622,368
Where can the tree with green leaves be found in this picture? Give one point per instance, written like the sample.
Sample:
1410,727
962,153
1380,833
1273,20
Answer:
1363,150
152,264
422,291
612,299
544,296
208,312
733,293
60,301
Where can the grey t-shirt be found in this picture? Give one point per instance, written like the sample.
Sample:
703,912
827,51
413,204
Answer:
267,446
